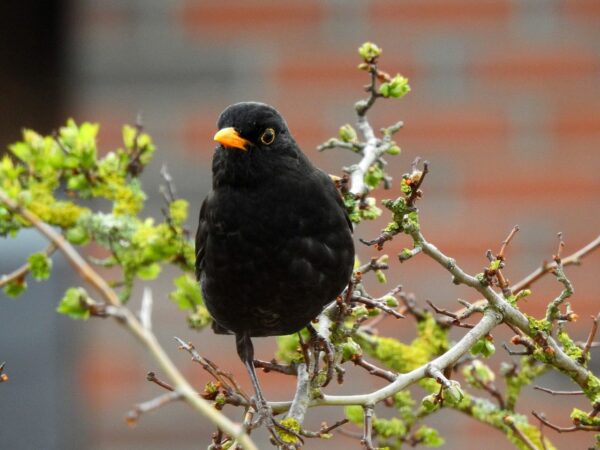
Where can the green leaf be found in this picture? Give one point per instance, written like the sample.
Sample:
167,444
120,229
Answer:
389,428
483,347
350,349
397,87
393,150
369,51
188,294
380,275
347,133
354,413
429,403
391,301
453,394
15,288
40,266
73,304
429,437
178,210
149,272
77,235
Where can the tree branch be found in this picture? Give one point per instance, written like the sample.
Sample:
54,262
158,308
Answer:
128,319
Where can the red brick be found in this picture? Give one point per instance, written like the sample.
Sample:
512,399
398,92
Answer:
536,64
445,11
583,8
464,123
577,121
103,379
235,18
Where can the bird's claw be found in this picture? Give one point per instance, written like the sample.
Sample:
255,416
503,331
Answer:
264,415
319,342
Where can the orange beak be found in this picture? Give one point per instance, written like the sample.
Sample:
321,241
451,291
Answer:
228,137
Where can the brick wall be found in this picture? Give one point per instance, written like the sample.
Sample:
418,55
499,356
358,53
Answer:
505,105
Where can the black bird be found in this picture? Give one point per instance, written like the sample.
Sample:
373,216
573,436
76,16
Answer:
274,242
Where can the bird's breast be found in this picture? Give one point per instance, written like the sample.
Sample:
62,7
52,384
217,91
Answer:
275,255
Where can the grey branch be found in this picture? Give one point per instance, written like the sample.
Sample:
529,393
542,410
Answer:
301,399
134,415
146,309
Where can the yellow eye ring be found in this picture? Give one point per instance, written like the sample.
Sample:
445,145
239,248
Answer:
268,136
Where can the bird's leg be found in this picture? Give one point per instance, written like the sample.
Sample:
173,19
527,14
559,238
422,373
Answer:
319,342
245,351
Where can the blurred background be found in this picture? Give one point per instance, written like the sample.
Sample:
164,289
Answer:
505,104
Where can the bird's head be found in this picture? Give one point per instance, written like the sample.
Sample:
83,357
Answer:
254,142
250,125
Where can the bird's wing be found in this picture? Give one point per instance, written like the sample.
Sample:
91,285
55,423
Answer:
201,236
330,185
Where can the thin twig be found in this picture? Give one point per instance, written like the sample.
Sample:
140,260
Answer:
554,392
414,191
141,408
373,369
590,339
506,241
151,376
374,303
511,424
560,429
224,378
324,430
274,366
455,319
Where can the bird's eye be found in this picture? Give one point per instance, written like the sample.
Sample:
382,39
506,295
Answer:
268,136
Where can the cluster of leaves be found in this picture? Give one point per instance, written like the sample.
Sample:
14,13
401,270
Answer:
64,181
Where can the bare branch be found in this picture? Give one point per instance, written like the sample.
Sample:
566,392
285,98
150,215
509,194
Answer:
224,378
141,408
511,424
325,429
302,397
274,366
553,392
560,429
375,303
146,309
590,340
373,369
367,439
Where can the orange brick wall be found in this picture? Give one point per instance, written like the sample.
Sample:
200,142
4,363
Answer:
505,105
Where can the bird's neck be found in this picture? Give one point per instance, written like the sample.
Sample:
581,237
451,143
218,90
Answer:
235,168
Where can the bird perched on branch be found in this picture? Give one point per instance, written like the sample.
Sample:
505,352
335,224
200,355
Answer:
274,242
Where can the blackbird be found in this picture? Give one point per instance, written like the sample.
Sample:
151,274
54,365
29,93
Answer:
274,242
